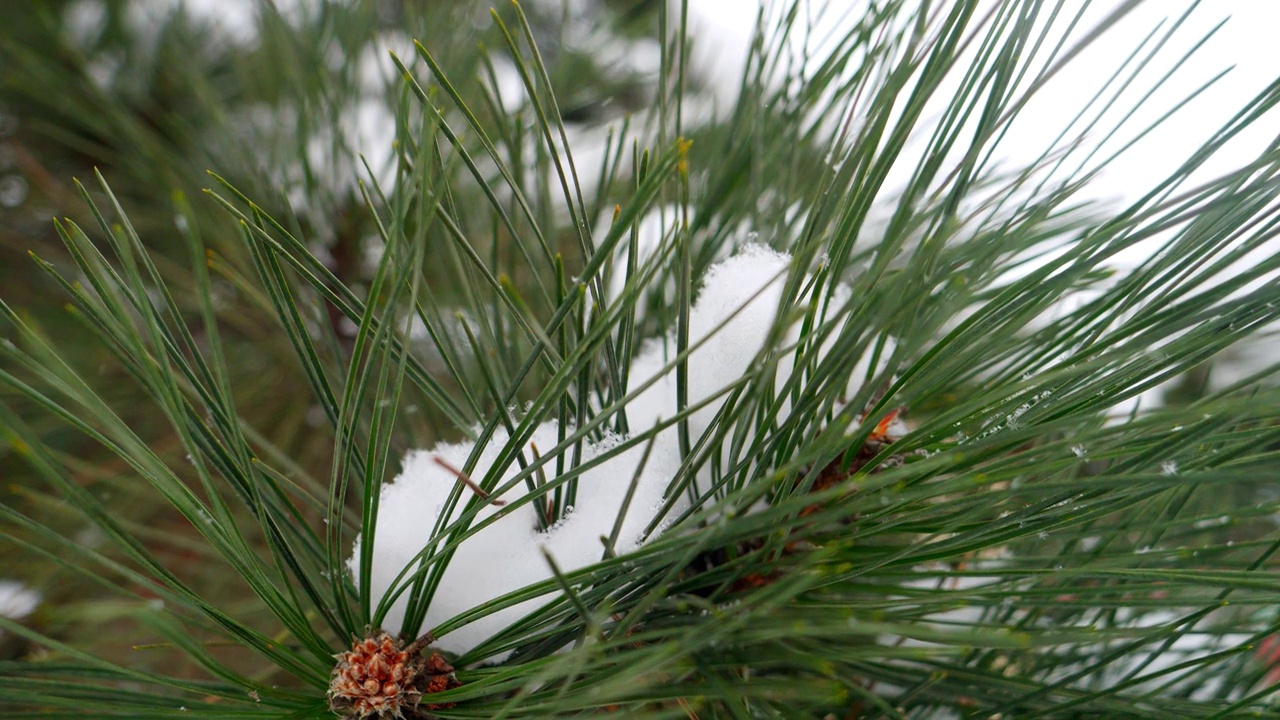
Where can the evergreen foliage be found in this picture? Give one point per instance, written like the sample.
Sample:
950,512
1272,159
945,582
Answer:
206,380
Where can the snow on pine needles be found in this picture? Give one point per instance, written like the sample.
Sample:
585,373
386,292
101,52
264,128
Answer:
730,322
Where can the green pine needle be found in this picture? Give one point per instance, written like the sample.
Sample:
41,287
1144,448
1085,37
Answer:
202,399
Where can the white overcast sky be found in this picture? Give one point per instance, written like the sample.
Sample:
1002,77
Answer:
722,31
1245,43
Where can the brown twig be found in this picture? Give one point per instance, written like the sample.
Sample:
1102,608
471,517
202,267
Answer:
467,481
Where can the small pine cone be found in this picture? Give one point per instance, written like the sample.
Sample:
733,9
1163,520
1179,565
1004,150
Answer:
380,678
437,676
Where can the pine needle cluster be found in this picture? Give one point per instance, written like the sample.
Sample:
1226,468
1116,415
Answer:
939,488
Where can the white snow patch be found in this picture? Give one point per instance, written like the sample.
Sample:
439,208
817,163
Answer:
508,554
1155,663
17,600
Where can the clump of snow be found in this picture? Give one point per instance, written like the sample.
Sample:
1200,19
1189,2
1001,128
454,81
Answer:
729,326
748,284
506,555
17,600
84,21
